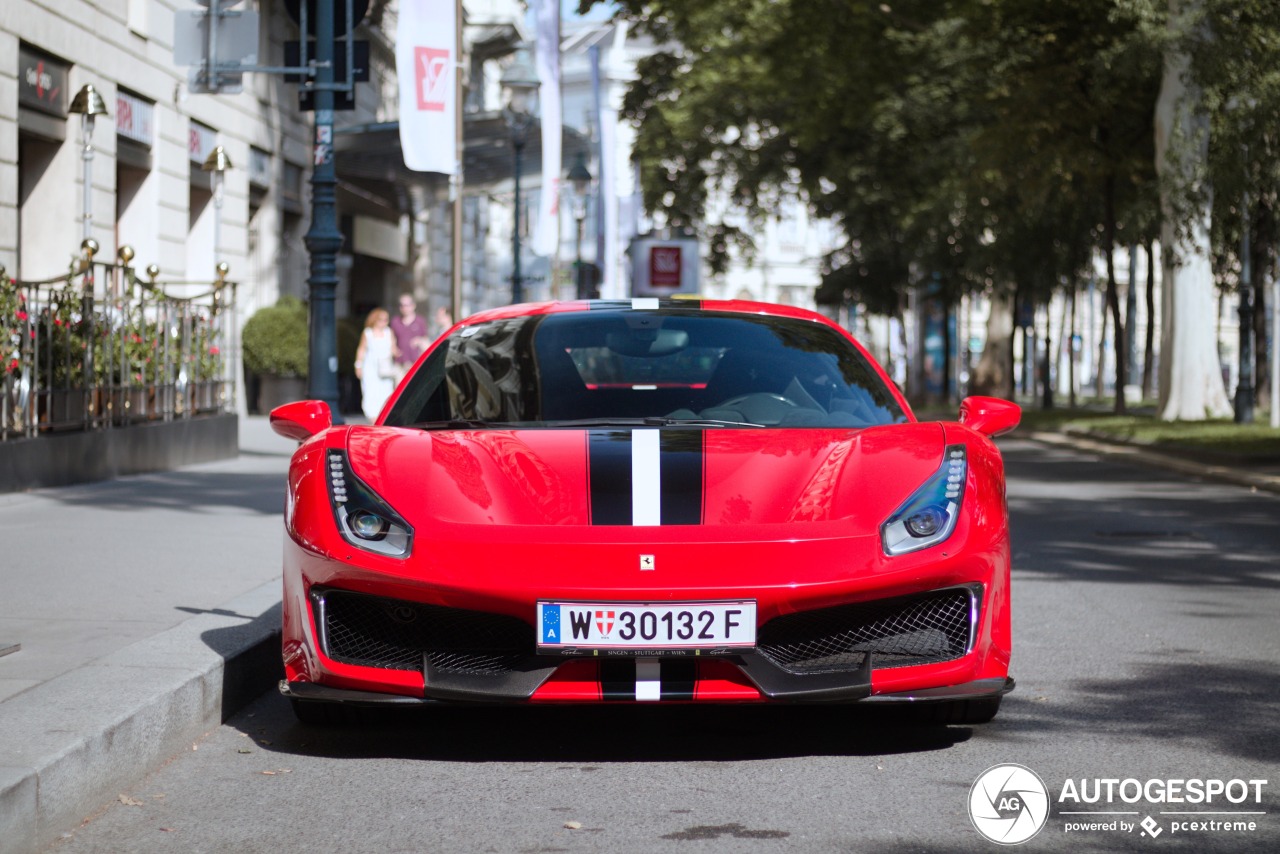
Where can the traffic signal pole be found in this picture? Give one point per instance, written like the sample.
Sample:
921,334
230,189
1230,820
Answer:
323,238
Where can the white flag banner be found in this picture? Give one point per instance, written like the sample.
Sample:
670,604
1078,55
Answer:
546,239
426,65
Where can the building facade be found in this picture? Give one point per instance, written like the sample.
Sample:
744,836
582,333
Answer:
148,188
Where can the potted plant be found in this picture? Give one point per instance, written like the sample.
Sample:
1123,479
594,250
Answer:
275,351
62,338
202,357
134,368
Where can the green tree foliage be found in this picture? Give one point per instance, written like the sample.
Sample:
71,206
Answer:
1074,84
927,128
1242,95
978,144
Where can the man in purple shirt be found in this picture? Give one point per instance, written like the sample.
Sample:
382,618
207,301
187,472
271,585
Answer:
410,331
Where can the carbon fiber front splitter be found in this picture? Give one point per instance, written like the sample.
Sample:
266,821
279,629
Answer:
520,684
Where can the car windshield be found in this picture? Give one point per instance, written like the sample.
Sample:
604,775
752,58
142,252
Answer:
664,367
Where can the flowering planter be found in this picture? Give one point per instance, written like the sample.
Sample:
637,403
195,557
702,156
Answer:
135,403
276,391
62,409
205,396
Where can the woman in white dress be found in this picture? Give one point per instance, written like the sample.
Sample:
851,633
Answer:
375,362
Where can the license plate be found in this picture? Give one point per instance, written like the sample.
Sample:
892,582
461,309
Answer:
646,626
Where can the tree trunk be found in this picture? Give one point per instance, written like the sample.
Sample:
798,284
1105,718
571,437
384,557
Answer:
1191,387
1113,296
1071,349
993,374
1099,374
1149,353
1260,267
1046,374
1131,317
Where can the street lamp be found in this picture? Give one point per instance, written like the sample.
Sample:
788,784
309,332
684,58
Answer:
520,108
89,104
580,180
217,164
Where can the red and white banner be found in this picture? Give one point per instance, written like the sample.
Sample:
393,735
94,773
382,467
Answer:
425,64
546,239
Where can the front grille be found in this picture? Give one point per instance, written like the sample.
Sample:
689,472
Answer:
920,629
396,634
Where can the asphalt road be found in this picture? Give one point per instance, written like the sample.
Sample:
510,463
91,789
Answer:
1146,650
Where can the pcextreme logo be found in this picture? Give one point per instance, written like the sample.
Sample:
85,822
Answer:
1008,804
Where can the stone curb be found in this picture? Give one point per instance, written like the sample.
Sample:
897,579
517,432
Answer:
1146,456
72,745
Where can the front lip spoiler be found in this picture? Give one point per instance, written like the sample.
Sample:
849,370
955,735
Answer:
978,689
832,686
830,689
520,684
315,692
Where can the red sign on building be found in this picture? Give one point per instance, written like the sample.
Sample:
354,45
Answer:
664,266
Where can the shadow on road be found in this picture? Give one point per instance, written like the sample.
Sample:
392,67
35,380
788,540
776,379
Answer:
598,735
1227,711
1095,521
194,491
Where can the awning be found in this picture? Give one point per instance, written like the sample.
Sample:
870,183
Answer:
371,168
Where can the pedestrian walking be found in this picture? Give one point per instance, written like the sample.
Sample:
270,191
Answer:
444,320
376,362
411,333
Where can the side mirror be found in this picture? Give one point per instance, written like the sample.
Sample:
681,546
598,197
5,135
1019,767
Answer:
301,420
989,416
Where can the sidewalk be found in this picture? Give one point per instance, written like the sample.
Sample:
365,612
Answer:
1241,472
147,610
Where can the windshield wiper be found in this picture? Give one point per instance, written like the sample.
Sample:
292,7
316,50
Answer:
700,422
570,423
462,424
649,421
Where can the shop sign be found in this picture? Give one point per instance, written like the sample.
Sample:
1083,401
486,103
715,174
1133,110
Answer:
135,118
42,82
201,140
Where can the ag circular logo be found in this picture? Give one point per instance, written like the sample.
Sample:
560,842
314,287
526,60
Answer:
1008,804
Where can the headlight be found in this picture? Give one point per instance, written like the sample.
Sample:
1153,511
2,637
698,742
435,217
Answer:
929,516
365,520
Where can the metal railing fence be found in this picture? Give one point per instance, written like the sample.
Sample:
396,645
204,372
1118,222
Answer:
99,347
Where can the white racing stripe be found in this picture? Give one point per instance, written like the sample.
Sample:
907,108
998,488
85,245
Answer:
648,679
644,303
646,478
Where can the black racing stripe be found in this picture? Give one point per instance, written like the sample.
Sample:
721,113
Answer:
608,304
681,463
618,679
609,469
679,675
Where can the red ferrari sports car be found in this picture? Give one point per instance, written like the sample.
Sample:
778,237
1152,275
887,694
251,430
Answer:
647,501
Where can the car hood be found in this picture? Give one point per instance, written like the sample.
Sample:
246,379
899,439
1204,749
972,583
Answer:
635,479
